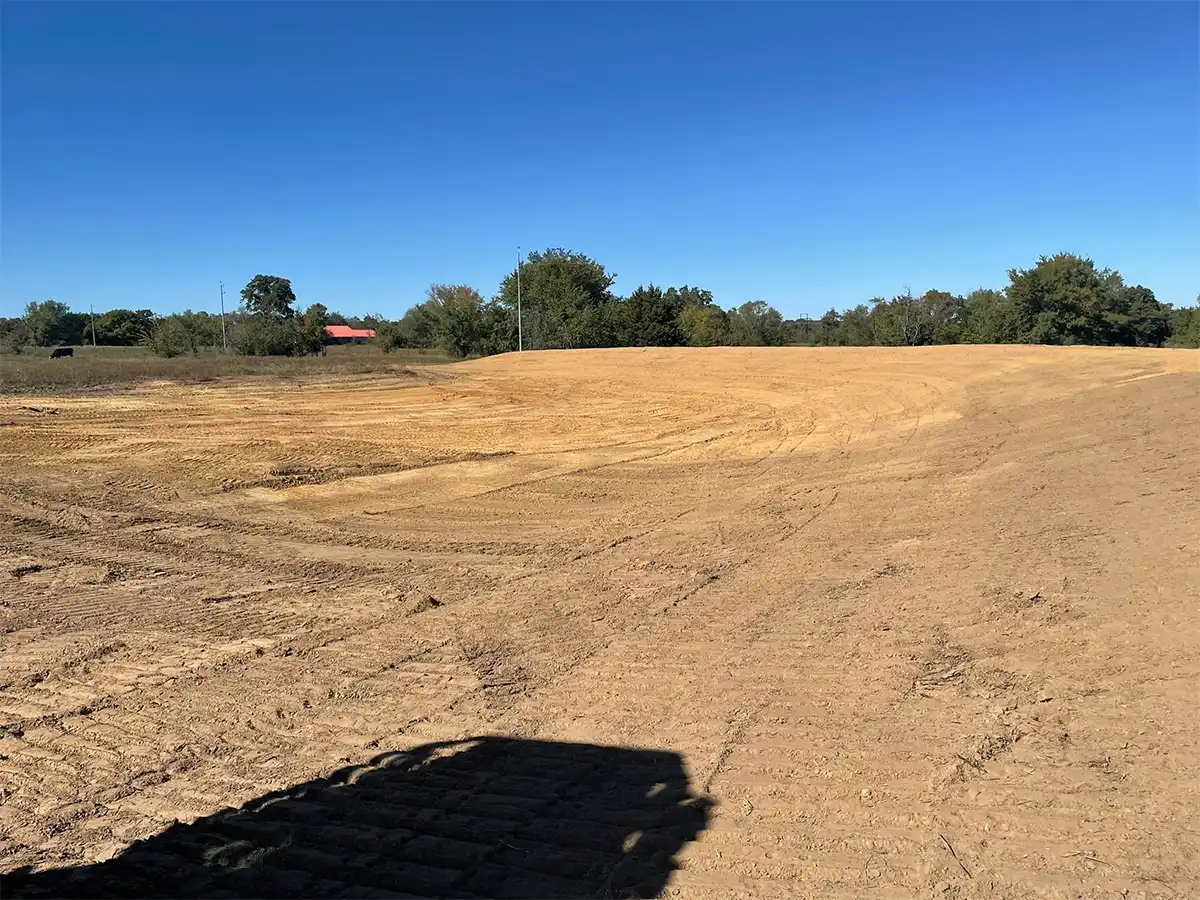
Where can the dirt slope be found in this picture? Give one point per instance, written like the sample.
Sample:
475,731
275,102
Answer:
871,622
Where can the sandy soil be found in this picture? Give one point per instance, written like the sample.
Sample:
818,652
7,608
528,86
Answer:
782,623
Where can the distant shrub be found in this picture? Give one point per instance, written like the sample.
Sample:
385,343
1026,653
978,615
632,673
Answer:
15,340
302,335
258,336
169,337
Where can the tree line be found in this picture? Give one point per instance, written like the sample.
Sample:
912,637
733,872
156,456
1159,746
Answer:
265,324
567,301
1063,299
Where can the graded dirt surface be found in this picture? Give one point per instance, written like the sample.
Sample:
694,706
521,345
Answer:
742,622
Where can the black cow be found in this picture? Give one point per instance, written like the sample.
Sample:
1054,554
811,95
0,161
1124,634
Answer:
60,352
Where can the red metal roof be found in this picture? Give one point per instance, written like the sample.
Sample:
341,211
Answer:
345,331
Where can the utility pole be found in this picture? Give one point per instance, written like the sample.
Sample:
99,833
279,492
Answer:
224,343
92,310
520,336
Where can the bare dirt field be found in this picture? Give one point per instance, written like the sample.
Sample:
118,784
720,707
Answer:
780,623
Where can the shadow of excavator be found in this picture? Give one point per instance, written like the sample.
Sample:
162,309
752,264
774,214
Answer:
485,817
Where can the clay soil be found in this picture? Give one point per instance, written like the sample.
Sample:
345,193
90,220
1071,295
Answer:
739,622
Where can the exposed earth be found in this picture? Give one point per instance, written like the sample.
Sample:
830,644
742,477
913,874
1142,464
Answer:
738,622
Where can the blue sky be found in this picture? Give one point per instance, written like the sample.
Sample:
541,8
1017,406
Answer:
807,154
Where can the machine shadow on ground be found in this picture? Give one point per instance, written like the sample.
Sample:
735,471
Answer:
484,817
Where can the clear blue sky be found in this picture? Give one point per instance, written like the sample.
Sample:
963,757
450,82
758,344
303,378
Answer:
810,155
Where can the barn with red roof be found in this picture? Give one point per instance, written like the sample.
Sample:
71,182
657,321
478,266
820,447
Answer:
344,334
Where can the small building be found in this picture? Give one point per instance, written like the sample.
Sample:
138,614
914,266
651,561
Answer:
344,334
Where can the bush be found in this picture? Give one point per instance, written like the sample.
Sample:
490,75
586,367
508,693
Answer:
256,336
416,330
169,337
15,339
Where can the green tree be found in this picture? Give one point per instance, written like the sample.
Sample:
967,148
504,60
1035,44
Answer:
703,326
990,318
830,331
1185,326
457,312
936,317
690,296
566,301
270,326
169,337
44,320
942,316
311,336
269,296
885,330
50,322
755,324
650,318
262,336
1142,321
182,333
1065,299
14,336
499,329
702,322
204,329
417,329
123,327
856,327
908,325
454,318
